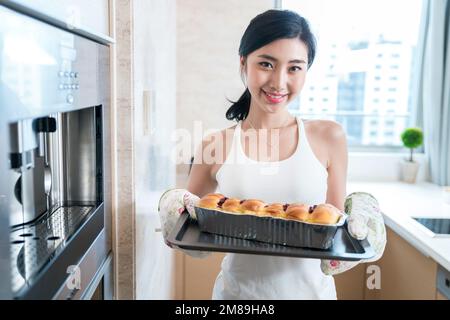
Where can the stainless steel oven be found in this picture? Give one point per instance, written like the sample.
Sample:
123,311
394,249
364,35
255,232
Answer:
55,214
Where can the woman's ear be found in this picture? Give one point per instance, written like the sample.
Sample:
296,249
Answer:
243,61
243,67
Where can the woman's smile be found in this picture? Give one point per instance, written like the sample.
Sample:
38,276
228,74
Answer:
274,98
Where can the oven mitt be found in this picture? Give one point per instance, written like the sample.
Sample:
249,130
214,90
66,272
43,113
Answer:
172,203
364,221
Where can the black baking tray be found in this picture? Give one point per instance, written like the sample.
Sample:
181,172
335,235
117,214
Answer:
187,235
268,229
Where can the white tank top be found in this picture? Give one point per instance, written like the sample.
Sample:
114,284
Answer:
299,178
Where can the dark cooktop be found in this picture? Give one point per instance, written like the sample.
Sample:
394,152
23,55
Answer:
436,225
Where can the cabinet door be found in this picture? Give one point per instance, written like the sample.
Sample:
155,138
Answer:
440,296
200,276
405,272
350,284
84,14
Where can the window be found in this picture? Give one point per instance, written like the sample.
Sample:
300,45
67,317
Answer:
390,123
363,52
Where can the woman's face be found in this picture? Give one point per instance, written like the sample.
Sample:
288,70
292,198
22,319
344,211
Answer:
276,73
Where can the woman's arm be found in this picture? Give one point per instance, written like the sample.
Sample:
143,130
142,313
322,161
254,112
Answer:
200,180
337,165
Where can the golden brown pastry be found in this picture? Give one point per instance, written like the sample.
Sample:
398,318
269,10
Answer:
298,211
273,210
232,205
325,214
321,214
210,201
252,206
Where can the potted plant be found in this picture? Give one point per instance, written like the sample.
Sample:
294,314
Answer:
412,138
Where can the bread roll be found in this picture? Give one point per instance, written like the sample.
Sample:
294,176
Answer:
252,206
273,210
325,214
210,201
232,205
298,211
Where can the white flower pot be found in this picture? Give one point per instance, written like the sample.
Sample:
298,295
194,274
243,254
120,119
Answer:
409,171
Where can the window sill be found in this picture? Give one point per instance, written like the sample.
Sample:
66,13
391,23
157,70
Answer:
370,166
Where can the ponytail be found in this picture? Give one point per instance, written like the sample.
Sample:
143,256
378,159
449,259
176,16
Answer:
239,109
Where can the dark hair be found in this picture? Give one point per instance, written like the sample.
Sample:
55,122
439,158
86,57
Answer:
265,28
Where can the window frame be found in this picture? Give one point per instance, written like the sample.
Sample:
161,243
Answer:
394,149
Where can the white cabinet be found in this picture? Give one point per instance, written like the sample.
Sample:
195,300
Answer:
87,15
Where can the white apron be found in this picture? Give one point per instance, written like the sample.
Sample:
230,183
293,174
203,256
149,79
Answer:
300,178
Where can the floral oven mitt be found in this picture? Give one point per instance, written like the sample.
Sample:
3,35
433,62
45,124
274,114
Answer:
172,203
364,221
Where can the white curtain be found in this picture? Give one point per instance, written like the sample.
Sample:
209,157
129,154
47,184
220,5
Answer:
433,88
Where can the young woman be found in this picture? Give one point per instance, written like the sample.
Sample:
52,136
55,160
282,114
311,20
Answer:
276,157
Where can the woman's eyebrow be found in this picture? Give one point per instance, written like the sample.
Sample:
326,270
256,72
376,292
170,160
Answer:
266,56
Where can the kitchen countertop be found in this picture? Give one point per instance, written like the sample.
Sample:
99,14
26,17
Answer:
400,201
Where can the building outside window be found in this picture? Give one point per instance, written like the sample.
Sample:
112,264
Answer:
364,60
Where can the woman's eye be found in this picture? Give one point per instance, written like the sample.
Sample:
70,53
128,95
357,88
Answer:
265,64
296,68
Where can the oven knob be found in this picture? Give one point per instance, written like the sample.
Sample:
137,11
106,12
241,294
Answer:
72,74
61,73
69,98
66,74
76,75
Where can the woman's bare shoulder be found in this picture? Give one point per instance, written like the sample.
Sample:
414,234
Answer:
326,129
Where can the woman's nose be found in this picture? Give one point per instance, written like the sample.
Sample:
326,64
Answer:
278,81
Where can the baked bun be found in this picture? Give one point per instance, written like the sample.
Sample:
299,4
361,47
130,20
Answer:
232,205
298,211
210,201
252,206
273,210
325,214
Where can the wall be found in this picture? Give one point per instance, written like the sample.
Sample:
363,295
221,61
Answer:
154,86
144,117
208,36
366,166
